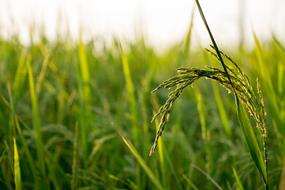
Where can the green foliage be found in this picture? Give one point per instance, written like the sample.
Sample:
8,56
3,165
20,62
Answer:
64,101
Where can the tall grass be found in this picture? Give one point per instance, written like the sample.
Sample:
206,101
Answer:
64,101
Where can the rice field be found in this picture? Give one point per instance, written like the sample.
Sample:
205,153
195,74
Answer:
76,114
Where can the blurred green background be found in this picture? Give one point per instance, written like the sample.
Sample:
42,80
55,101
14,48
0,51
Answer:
75,114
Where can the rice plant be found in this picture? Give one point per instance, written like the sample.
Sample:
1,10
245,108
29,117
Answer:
234,81
74,114
239,83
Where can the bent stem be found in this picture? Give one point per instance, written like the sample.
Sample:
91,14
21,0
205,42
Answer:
239,84
235,82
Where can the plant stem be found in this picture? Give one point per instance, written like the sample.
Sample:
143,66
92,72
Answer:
229,78
218,52
214,43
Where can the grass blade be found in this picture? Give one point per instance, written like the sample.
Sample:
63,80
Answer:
26,149
252,143
131,94
142,163
202,114
208,176
190,183
36,119
84,68
161,155
222,111
17,171
238,182
20,76
189,35
85,96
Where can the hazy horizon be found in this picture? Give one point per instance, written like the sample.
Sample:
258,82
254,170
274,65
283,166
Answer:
161,21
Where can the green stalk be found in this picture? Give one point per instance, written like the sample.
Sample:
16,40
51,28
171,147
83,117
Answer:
36,119
215,46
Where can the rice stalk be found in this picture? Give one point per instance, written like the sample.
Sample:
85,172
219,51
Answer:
235,81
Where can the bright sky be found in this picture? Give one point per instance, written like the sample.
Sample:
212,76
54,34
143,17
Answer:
162,21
